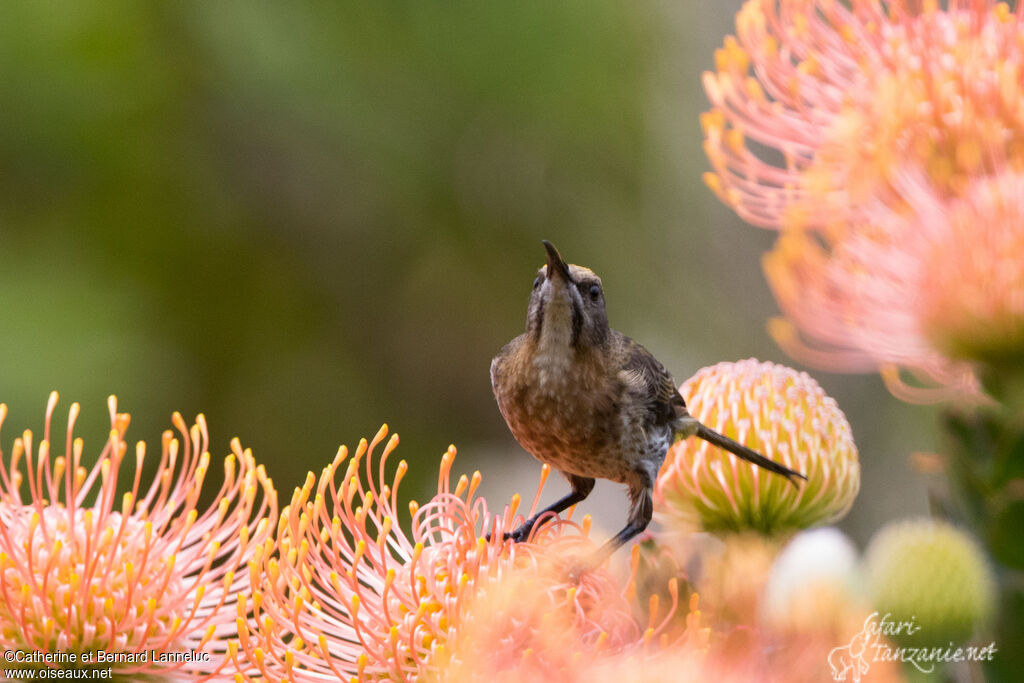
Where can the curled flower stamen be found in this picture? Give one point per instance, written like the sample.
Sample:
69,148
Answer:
348,592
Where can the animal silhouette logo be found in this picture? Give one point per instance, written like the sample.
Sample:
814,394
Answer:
849,658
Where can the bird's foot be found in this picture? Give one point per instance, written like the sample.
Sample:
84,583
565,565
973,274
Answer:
522,532
517,535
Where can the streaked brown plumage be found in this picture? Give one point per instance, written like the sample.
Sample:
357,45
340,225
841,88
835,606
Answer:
590,401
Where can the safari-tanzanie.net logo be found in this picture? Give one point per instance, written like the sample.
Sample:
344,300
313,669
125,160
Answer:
872,644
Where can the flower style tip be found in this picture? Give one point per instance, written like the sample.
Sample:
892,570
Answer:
83,570
774,410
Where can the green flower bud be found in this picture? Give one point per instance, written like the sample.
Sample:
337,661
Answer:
932,575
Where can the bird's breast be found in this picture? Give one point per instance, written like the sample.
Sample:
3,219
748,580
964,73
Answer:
568,415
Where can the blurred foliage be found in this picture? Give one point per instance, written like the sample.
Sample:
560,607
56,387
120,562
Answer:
305,219
985,447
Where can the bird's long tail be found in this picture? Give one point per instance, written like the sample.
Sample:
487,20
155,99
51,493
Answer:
739,450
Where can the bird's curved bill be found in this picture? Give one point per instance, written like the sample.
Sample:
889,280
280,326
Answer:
555,262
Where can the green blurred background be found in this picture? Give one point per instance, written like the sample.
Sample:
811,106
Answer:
305,219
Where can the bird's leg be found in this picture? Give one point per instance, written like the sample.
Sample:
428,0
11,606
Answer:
581,488
641,509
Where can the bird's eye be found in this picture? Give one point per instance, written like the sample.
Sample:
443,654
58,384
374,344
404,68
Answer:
595,292
536,282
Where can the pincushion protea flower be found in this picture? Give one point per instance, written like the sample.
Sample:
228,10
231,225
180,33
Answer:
945,283
854,305
852,93
348,594
815,585
510,630
971,272
931,573
860,99
155,575
779,412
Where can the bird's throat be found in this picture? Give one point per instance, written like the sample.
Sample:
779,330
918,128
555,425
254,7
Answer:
555,354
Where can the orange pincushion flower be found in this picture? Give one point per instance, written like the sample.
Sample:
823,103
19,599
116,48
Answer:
852,93
863,101
348,593
156,574
779,412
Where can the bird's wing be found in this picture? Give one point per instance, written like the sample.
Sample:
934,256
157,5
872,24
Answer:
646,376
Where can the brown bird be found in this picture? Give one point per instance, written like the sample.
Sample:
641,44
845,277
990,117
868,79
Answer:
590,401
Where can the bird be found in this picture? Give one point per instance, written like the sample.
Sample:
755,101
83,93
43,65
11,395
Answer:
592,403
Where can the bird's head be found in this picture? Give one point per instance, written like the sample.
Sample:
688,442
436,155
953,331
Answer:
566,306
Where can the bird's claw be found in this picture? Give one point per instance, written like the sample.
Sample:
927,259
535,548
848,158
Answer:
520,534
517,535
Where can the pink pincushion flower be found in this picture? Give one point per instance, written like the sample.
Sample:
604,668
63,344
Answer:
933,290
155,574
346,593
971,275
528,624
853,304
824,114
510,636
